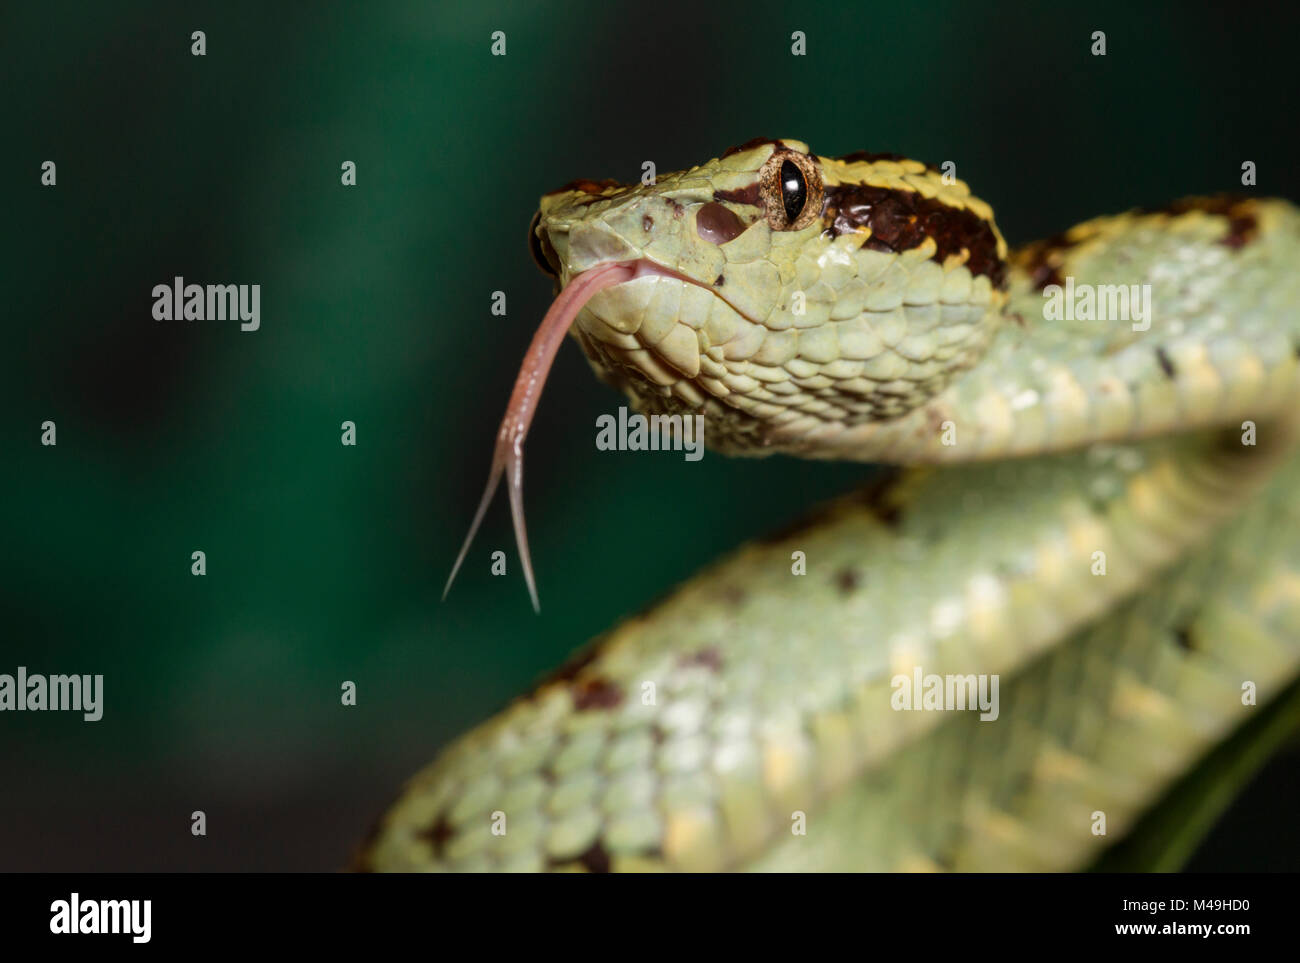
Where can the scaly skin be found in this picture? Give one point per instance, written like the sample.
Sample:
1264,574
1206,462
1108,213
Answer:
692,735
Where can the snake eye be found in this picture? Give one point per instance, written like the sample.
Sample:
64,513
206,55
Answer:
790,187
794,192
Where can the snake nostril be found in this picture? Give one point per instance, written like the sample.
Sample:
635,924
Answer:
718,224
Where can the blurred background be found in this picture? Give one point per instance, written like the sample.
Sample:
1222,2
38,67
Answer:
325,563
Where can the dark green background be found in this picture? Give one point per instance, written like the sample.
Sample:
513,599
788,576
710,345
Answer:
325,563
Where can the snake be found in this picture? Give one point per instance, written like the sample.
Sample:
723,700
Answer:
1085,500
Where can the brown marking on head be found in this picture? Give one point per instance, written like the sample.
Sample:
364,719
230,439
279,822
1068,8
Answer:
741,195
900,220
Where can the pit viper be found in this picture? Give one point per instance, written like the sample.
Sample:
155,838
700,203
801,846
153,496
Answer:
1090,501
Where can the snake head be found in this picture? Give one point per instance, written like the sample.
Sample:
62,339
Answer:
784,296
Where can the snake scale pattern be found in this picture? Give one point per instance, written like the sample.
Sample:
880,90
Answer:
867,308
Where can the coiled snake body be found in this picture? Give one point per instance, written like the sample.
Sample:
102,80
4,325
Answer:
1127,584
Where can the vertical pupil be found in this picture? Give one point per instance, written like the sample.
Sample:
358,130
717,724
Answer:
793,190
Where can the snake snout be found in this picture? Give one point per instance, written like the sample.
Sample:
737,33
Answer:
588,245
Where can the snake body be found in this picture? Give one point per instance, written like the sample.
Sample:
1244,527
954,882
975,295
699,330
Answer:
1100,513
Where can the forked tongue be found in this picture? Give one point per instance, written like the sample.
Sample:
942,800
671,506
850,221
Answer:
508,456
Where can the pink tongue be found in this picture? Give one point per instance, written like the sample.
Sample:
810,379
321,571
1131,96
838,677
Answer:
508,457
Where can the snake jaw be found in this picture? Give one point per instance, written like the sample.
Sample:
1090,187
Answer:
508,455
